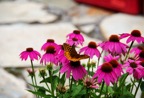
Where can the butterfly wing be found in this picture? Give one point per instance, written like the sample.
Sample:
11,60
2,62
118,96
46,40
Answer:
71,53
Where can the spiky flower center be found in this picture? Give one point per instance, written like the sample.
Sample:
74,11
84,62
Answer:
141,54
114,63
106,67
88,83
50,40
114,38
50,49
74,39
76,32
142,63
133,64
136,33
75,64
92,45
29,49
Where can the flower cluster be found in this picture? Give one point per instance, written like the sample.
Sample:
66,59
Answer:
65,76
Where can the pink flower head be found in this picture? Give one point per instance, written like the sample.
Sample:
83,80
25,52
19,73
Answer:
75,38
142,64
32,54
91,50
134,36
60,55
114,46
90,82
117,67
105,72
134,67
77,70
50,42
137,50
49,56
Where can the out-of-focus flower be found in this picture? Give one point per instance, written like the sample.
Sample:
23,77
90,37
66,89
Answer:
75,38
90,82
134,36
31,72
134,67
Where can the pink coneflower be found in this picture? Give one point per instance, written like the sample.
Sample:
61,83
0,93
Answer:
134,67
60,55
134,36
142,64
117,67
105,72
91,50
50,42
77,70
75,38
137,50
90,82
114,45
49,56
32,54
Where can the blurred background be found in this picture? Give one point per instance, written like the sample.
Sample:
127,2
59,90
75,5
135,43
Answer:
29,23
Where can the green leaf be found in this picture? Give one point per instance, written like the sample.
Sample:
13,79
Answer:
126,96
62,80
40,88
40,94
142,86
56,71
48,79
76,90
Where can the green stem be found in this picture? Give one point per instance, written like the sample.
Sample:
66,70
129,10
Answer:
122,83
34,85
50,74
87,94
45,82
99,59
129,50
88,65
34,73
71,84
137,87
132,86
101,89
106,95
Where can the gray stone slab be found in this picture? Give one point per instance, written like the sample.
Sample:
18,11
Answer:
16,38
24,11
12,87
121,23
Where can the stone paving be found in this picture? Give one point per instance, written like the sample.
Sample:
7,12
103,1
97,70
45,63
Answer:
29,23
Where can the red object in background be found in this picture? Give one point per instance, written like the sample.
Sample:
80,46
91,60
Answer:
126,6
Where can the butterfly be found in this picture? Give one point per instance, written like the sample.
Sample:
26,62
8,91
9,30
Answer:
71,54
